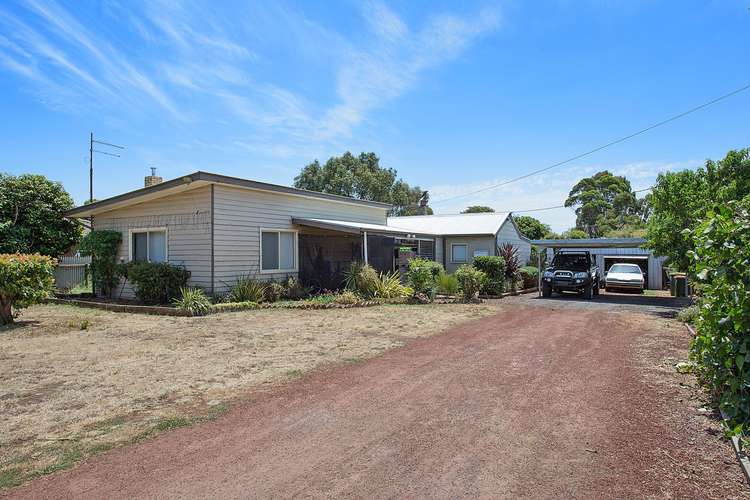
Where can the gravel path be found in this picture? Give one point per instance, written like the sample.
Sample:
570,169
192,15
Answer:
544,399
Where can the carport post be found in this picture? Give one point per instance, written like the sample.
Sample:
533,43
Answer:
539,276
364,245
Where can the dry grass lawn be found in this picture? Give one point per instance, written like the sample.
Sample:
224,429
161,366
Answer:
74,381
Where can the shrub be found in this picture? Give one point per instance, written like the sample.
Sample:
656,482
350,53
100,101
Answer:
470,281
156,282
274,291
509,253
247,289
102,246
24,280
361,278
529,276
689,314
193,300
233,306
346,297
721,346
421,275
447,284
494,268
388,286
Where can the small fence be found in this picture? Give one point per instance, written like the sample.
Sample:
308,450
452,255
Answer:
72,272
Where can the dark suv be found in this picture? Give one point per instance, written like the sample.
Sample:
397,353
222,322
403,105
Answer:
571,271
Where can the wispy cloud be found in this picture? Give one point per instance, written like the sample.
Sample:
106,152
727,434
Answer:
193,61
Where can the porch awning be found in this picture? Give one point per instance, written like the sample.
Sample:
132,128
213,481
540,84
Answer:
352,227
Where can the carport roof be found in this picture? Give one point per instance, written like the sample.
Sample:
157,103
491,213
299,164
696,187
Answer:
591,243
350,226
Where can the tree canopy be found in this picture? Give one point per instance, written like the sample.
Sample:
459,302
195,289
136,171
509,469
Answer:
477,209
31,216
680,199
530,227
363,178
604,203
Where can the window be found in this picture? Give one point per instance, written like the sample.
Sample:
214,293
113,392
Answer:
148,245
459,252
278,250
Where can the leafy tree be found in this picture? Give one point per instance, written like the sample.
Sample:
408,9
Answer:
680,199
477,209
604,202
530,227
24,280
363,178
31,216
102,246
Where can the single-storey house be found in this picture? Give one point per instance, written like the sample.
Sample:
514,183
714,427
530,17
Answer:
221,228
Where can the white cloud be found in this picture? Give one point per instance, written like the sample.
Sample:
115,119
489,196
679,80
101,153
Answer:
545,190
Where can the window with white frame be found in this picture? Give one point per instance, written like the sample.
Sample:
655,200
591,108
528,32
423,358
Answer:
148,245
459,252
278,250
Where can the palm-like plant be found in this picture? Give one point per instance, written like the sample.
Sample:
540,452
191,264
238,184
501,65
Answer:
512,266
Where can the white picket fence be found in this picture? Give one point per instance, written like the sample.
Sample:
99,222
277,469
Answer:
71,272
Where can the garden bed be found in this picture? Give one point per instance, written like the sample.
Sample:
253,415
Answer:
108,305
509,294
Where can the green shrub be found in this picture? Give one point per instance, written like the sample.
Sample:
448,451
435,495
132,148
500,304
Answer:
529,276
722,344
233,306
322,299
421,275
447,284
388,286
493,267
247,289
193,300
361,278
102,246
470,281
689,314
346,297
274,291
156,282
24,280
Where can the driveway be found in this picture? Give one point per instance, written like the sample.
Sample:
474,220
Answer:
547,398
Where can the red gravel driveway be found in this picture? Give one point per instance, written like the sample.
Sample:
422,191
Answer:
544,399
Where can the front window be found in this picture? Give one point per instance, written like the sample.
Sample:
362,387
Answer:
459,253
278,250
148,245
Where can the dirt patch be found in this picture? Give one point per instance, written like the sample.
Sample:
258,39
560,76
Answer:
74,380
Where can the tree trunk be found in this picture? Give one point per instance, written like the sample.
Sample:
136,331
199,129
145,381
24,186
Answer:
6,315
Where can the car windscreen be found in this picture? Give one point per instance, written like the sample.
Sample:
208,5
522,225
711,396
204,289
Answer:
622,268
571,261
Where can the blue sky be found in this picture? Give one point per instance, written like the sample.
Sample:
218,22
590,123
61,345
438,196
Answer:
455,96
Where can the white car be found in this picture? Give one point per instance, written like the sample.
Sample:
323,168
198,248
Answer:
624,276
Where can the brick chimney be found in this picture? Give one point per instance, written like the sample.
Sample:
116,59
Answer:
153,179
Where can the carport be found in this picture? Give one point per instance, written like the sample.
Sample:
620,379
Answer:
608,251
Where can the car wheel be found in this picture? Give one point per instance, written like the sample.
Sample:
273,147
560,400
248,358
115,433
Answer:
546,291
588,292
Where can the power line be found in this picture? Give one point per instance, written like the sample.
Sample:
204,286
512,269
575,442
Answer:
563,206
604,146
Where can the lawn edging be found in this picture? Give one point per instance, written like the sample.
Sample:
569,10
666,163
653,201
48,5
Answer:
742,458
128,308
509,294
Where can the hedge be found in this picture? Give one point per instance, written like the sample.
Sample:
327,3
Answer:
25,279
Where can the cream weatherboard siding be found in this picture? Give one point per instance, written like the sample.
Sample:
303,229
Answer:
239,215
187,218
509,234
473,243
